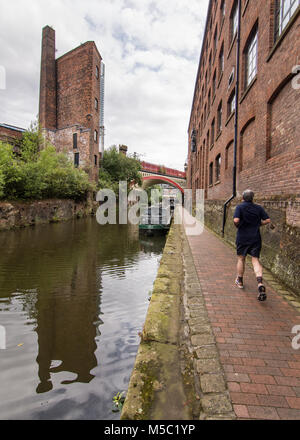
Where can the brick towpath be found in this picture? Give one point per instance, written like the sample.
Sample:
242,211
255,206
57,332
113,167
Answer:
254,339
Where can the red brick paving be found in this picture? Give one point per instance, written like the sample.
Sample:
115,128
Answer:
254,339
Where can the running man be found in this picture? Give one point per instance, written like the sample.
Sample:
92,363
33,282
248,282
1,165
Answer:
248,218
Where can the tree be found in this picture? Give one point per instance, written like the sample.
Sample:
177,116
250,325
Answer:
117,167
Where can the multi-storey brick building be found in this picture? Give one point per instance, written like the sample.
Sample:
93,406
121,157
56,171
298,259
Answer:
268,107
11,134
70,101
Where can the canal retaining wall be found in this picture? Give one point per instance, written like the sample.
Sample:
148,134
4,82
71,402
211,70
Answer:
18,214
177,373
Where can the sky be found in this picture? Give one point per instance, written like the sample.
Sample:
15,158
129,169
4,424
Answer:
150,49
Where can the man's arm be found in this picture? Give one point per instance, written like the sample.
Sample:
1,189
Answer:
265,219
236,221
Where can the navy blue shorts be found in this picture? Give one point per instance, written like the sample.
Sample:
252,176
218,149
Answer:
246,249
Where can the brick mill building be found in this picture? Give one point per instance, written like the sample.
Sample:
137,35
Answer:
11,134
266,123
69,109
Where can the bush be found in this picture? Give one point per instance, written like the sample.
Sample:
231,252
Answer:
38,175
117,167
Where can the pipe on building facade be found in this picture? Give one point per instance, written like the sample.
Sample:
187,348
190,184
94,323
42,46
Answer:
234,171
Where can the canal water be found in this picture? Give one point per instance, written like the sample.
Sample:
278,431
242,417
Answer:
73,299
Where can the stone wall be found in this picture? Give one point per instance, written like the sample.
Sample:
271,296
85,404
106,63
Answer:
281,240
21,214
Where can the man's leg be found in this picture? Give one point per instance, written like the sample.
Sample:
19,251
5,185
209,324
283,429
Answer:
240,271
258,269
241,266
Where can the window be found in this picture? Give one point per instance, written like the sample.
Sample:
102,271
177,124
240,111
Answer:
251,58
234,20
284,12
76,160
231,104
220,117
221,60
96,104
214,83
209,70
96,160
223,10
213,131
97,72
95,135
218,168
209,102
211,174
75,140
231,78
216,39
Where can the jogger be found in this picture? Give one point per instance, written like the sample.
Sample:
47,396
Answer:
248,218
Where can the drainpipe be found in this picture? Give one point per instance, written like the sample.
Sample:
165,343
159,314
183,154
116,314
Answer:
235,117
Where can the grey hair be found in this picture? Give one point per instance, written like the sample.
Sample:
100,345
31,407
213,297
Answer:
248,195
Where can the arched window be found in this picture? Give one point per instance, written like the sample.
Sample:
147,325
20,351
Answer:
218,168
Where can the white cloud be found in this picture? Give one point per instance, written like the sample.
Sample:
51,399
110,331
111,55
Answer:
151,51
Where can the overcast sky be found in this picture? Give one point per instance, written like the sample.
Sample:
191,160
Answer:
151,51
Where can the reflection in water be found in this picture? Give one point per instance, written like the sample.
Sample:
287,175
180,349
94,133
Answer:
82,289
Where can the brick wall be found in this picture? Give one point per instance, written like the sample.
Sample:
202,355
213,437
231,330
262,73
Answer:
268,141
268,148
12,136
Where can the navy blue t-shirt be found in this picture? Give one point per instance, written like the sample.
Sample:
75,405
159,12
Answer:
250,216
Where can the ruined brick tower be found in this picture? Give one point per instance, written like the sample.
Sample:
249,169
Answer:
69,109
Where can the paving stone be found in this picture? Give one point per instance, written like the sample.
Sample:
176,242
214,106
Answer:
201,329
208,366
195,301
200,340
207,352
216,404
200,320
199,312
212,383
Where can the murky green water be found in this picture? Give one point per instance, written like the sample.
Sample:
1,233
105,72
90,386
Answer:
73,297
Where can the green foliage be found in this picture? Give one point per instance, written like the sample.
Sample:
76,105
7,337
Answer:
153,199
117,167
39,172
32,142
118,401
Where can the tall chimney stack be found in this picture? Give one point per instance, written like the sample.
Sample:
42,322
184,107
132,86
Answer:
123,149
47,108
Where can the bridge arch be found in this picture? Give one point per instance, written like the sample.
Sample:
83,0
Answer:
156,180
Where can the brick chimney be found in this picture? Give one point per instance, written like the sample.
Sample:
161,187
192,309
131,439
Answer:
123,149
47,108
